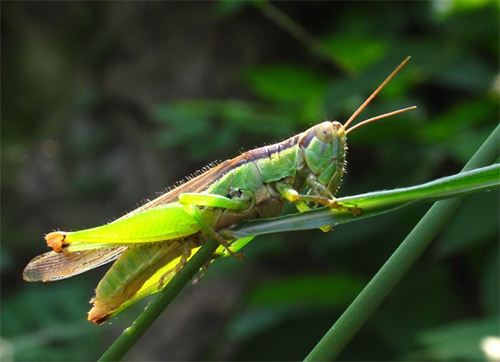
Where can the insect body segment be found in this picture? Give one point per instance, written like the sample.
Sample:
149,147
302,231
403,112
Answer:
154,241
128,274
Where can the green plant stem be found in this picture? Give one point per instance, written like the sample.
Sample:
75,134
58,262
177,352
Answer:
332,343
298,32
130,335
376,203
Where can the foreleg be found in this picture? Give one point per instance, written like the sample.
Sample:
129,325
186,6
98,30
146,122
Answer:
301,201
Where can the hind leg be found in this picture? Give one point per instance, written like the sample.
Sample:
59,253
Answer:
193,201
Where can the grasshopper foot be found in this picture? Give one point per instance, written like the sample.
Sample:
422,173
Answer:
355,211
227,246
332,204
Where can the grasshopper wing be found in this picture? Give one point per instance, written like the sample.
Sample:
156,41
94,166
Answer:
52,266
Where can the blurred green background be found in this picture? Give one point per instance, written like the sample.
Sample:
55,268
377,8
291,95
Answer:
104,104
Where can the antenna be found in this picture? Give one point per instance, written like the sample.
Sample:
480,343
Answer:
385,115
376,91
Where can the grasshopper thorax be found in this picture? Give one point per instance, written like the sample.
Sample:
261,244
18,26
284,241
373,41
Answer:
323,148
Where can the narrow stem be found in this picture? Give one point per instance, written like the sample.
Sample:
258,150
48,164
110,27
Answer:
332,343
130,335
298,32
456,185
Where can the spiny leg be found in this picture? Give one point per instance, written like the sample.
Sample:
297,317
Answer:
212,234
186,253
161,281
192,201
318,187
323,196
300,201
293,196
332,204
203,269
186,248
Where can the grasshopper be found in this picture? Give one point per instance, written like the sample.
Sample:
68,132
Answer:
152,243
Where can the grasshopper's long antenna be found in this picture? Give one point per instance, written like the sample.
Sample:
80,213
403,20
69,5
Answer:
385,115
375,92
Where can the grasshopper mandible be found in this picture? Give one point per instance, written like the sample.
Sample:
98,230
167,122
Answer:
154,241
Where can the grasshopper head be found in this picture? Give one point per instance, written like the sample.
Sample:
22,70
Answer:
324,151
324,145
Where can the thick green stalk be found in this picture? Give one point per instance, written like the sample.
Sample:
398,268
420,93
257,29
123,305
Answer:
332,343
130,335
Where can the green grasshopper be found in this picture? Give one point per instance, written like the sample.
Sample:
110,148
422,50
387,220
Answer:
152,243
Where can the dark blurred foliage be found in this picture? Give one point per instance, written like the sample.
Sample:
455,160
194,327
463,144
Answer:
105,104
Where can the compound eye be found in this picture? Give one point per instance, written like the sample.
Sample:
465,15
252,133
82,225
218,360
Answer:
325,132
